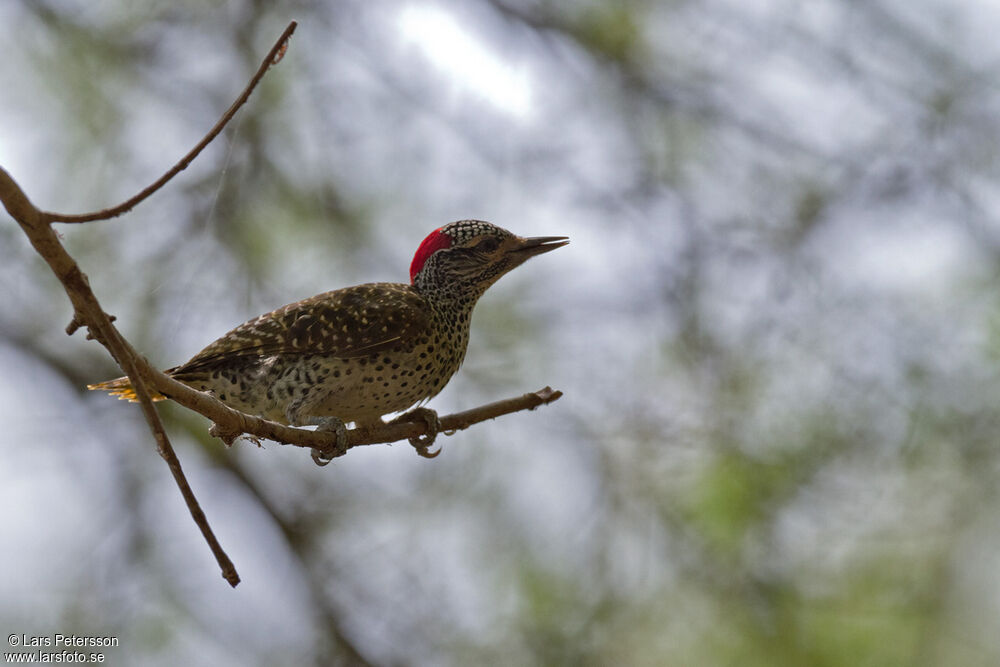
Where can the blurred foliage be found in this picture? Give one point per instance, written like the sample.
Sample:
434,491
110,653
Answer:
776,329
609,30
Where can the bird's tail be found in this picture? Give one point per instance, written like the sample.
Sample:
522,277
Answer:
122,388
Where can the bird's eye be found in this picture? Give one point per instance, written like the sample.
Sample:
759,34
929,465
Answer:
489,244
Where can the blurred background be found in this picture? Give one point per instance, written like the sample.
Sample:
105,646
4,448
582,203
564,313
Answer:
777,329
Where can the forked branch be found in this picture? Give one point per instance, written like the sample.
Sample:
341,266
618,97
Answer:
229,424
87,310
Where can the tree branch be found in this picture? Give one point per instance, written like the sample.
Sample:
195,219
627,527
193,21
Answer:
228,424
87,310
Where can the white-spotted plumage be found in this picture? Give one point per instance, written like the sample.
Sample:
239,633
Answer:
360,352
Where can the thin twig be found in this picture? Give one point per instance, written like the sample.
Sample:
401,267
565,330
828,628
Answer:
276,53
166,451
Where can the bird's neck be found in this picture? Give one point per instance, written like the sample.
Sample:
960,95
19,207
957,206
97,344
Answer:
452,302
450,297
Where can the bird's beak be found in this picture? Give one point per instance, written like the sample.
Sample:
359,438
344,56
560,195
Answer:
537,245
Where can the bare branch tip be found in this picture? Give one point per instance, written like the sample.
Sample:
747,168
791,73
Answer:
282,45
227,436
231,576
547,395
74,324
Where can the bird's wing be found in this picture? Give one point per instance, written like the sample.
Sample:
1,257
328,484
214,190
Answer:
345,323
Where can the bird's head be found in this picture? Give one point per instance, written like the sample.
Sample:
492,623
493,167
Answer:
464,258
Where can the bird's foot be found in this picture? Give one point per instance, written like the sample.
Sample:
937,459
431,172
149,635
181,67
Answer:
422,443
328,425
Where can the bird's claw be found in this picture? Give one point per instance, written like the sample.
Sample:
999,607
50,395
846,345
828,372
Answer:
422,443
319,459
334,425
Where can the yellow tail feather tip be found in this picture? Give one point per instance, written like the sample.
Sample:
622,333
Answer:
122,389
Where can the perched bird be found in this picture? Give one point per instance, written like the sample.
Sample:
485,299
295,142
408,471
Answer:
358,353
